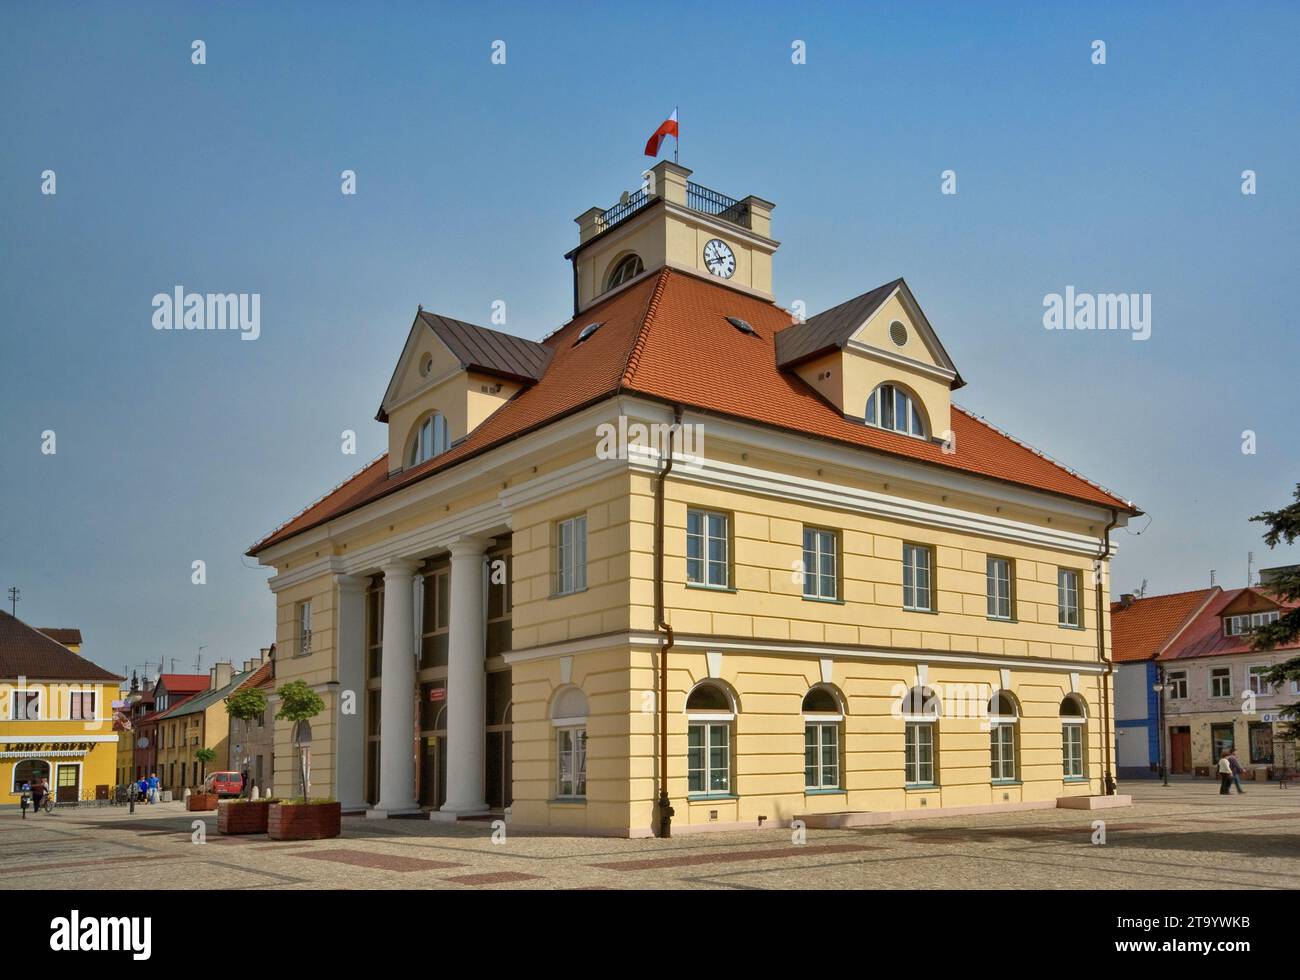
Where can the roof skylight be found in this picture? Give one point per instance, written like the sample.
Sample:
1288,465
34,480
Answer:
586,332
742,325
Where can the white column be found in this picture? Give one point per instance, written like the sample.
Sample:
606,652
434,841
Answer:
349,731
397,693
466,680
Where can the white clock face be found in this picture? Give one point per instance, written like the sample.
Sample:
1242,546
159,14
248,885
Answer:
719,258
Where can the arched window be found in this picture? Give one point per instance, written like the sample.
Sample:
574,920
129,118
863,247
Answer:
569,716
1074,723
432,438
921,709
823,717
710,712
629,267
28,772
1004,715
891,407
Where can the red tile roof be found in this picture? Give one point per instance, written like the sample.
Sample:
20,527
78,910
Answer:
184,683
1204,637
666,337
1142,629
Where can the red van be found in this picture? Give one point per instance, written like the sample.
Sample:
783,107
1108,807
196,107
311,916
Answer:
224,783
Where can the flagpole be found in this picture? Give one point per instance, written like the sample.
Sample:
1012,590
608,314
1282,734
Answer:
677,140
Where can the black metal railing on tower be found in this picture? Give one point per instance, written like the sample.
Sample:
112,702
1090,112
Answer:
698,198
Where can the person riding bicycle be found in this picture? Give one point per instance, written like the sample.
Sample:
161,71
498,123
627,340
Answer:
40,789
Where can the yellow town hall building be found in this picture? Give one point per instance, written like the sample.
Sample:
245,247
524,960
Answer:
689,553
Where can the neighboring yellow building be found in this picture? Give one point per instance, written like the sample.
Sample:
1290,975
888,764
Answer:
56,715
868,600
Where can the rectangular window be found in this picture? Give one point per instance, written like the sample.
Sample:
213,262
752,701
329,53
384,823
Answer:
820,564
81,705
1177,685
708,547
1223,740
303,619
918,754
571,555
1002,746
1238,625
708,758
917,580
821,755
25,705
998,576
1072,751
1221,682
1067,597
1261,742
1255,680
572,755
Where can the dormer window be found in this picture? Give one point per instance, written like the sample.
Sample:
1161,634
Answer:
890,407
628,268
431,439
1237,625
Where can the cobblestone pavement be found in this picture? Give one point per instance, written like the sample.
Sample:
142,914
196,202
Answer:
1182,836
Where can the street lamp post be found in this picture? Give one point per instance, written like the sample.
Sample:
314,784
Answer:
1160,687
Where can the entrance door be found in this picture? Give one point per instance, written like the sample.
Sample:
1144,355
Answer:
67,784
1180,750
433,771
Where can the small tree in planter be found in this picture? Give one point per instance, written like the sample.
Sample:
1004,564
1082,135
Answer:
244,816
302,818
199,800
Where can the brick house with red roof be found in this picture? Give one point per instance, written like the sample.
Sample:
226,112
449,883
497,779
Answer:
691,547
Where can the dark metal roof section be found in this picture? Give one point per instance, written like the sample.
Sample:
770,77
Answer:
27,652
830,329
490,351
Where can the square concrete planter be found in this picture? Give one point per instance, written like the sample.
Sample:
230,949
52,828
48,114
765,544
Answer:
248,817
304,821
201,801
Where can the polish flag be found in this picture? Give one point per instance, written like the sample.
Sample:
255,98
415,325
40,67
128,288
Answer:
667,128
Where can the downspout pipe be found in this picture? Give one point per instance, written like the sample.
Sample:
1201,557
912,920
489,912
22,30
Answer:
1106,746
665,826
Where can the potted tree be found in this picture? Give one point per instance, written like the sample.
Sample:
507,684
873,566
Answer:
244,816
199,800
302,818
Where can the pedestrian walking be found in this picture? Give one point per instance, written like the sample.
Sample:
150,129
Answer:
154,784
1225,773
1236,770
143,787
39,791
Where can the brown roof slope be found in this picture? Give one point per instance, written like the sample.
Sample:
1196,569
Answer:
831,328
667,337
491,351
27,652
1143,629
68,636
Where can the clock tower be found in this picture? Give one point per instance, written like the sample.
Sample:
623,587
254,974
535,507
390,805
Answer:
672,221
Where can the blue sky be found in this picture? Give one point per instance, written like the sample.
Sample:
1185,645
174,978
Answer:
224,177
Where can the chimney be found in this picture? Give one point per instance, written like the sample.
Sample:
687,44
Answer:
1126,600
221,674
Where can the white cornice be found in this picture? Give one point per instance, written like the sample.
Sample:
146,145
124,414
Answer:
725,228
694,642
909,363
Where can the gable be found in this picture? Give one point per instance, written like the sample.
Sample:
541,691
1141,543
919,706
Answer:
920,348
425,362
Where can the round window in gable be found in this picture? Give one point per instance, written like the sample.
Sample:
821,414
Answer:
898,333
426,365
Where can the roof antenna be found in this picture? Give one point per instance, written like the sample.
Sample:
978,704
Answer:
1250,564
1211,578
199,660
14,596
